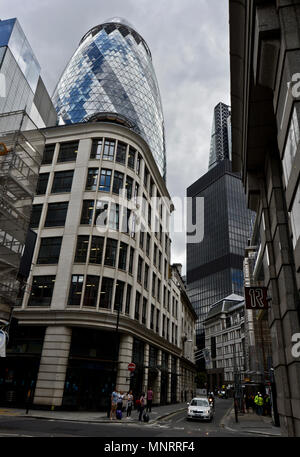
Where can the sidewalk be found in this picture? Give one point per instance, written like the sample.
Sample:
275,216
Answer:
251,423
157,413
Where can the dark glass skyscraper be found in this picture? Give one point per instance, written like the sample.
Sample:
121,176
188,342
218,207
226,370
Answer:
112,72
215,265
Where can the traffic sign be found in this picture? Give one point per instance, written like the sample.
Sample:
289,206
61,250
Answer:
256,297
131,366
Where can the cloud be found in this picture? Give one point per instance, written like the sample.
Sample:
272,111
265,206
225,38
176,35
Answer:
189,44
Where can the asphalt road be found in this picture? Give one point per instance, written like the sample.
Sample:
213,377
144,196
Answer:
175,425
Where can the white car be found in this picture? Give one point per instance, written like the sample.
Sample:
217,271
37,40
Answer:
200,408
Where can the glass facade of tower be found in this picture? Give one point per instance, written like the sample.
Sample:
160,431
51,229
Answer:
112,72
215,266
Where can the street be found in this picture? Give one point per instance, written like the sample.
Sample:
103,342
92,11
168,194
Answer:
174,425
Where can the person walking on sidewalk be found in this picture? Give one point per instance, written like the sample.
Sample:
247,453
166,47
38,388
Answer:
129,403
114,401
142,405
149,399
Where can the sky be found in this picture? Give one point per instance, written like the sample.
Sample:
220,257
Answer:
189,43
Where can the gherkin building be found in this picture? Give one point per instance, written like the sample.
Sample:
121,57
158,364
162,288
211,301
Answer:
112,72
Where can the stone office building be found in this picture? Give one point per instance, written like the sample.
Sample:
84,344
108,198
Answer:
101,293
265,51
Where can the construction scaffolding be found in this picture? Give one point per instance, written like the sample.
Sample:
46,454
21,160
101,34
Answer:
21,150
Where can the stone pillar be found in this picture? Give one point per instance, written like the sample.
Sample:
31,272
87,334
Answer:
169,378
158,384
53,366
125,357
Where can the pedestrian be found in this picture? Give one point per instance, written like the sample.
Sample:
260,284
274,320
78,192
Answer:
149,399
142,405
259,401
114,400
129,403
120,401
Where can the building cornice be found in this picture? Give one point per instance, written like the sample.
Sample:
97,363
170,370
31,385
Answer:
96,320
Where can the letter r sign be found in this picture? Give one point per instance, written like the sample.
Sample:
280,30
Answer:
256,298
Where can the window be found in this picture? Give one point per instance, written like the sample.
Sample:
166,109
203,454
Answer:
157,320
56,214
42,184
41,290
152,188
121,152
159,260
142,237
131,157
144,311
295,217
146,276
149,216
105,180
138,163
140,268
35,216
68,151
158,289
96,251
81,248
101,213
119,295
131,257
153,284
136,191
62,182
129,187
123,256
109,149
91,291
152,317
75,290
164,326
137,306
291,145
49,250
106,293
87,212
128,299
155,254
92,177
146,176
110,252
118,182
48,154
96,148
148,244
114,216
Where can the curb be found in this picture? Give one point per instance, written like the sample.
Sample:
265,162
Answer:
103,421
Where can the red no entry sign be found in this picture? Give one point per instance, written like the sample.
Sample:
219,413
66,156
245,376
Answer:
131,366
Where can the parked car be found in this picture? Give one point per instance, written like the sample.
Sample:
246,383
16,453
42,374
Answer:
200,408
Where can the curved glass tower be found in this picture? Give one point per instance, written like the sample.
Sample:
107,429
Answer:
112,72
